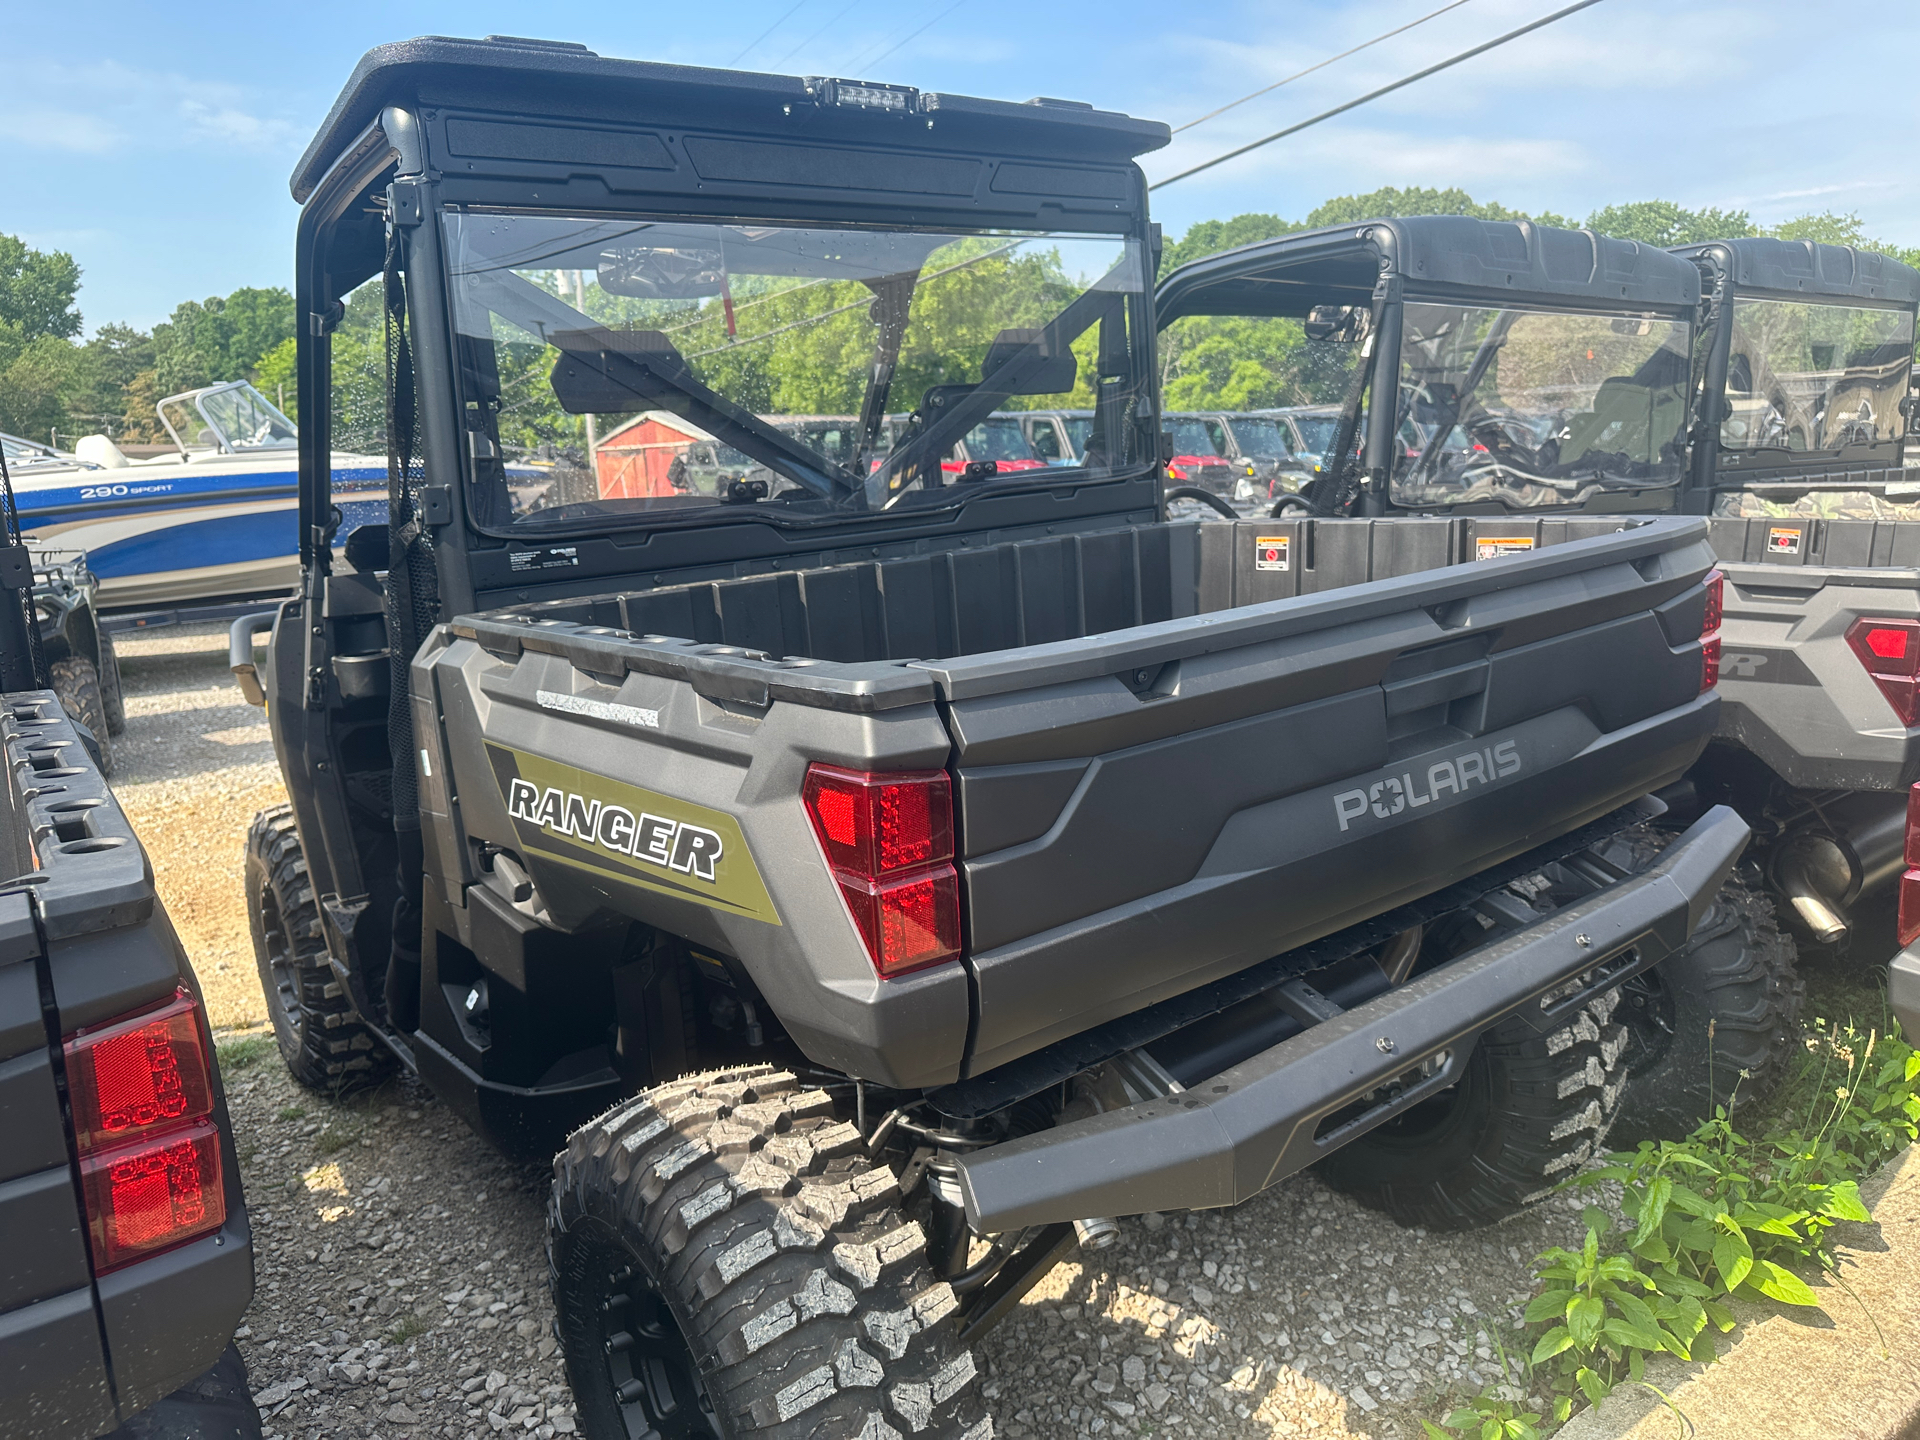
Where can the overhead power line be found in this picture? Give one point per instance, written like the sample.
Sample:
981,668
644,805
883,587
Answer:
1400,84
1269,89
765,33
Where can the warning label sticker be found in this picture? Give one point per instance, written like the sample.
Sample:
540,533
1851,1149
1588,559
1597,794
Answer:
552,558
1492,547
1784,539
1272,552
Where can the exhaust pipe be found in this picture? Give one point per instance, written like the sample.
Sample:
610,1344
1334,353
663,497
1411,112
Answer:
1859,847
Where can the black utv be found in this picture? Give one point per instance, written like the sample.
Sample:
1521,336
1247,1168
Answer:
82,666
1554,376
873,878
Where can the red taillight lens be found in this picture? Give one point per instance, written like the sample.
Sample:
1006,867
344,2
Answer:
889,842
1890,651
875,824
153,1194
142,1094
1908,924
1710,631
907,923
139,1075
1913,827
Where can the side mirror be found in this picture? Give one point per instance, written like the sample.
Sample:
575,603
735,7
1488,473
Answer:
240,653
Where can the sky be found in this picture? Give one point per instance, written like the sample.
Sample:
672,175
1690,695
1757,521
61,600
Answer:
154,143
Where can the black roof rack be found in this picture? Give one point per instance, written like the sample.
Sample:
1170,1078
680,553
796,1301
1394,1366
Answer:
1805,267
555,78
1437,255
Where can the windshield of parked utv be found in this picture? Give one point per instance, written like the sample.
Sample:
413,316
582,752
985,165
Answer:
1529,408
1806,376
644,371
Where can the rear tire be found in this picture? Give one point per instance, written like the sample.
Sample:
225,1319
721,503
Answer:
726,1260
113,699
77,684
325,1043
1530,1110
1738,975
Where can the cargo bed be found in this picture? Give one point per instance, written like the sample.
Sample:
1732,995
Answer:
1177,750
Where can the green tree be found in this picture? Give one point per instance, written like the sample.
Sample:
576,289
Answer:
1663,223
1210,237
1378,204
36,292
37,383
275,378
221,338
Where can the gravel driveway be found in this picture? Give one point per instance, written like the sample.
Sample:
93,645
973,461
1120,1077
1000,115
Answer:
400,1265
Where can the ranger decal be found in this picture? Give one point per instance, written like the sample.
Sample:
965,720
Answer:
572,817
1452,778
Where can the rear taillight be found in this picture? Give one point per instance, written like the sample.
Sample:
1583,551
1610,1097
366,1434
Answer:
888,840
1907,923
1710,631
142,1094
1890,650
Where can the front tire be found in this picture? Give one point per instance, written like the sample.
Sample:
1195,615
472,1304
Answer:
322,1039
727,1261
1528,1112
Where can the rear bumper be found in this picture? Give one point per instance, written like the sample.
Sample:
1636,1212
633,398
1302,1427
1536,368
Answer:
1903,992
1227,1138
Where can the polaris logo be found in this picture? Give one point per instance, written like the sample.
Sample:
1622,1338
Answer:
1452,777
654,839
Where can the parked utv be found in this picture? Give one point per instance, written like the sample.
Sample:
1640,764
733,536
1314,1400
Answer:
81,664
128,1255
1552,374
889,877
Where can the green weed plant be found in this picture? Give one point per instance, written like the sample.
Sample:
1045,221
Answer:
1706,1220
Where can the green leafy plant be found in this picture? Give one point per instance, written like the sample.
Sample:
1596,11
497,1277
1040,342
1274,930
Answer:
1708,1219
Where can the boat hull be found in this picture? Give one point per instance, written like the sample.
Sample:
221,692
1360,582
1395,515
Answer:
221,529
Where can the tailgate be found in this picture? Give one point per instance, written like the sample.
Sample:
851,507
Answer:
1793,691
1145,811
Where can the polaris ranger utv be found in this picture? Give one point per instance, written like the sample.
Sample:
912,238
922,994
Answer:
1554,374
888,876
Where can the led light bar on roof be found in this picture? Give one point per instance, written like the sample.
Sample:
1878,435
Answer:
863,95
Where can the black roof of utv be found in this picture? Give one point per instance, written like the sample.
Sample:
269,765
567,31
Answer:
1450,255
547,78
1804,267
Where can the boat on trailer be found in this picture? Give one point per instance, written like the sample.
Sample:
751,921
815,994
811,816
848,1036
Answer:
215,520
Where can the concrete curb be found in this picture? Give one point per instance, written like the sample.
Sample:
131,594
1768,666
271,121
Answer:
1790,1374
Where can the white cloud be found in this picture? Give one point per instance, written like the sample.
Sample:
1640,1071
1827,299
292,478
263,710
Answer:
47,128
129,109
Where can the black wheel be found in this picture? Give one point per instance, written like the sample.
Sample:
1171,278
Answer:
77,684
727,1261
113,699
322,1038
1738,978
1529,1110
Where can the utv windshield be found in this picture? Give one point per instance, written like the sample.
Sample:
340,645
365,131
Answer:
1814,377
585,342
1529,409
1260,437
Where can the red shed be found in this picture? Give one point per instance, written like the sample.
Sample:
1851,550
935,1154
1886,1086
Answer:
631,463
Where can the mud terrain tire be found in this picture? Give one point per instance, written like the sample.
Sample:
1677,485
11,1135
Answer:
113,698
326,1046
1738,974
1528,1112
725,1258
77,684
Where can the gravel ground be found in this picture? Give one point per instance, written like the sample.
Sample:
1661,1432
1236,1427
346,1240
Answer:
400,1261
